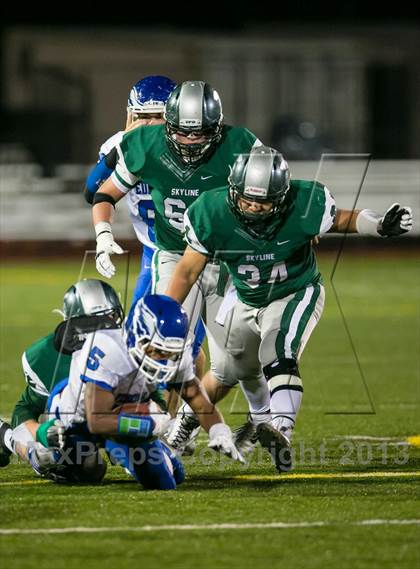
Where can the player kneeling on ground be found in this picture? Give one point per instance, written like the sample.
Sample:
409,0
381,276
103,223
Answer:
112,380
88,305
261,225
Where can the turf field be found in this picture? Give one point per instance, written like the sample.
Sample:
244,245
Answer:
351,501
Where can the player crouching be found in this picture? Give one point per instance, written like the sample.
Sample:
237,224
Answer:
116,372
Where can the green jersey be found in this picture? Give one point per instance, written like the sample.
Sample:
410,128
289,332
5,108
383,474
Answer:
263,270
43,367
143,155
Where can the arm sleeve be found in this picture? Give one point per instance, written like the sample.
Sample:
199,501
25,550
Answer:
99,173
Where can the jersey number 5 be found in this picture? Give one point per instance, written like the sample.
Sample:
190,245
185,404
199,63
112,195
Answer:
95,355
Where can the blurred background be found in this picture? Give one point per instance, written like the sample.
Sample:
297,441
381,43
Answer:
310,82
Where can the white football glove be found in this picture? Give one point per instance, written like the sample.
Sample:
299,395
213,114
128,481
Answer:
105,246
161,420
396,221
221,440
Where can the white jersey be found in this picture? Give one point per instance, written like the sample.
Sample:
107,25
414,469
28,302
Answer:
139,201
104,360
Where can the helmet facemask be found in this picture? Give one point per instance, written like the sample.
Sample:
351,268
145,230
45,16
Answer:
193,153
259,177
157,361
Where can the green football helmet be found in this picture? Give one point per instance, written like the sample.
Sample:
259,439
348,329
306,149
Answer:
193,107
88,305
261,176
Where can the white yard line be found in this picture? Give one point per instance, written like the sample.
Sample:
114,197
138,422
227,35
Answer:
207,527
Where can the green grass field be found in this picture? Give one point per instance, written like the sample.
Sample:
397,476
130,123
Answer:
351,501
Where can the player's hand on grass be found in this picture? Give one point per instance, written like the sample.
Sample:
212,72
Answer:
161,420
221,440
105,246
396,221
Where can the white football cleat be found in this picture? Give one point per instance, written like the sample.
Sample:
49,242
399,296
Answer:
183,435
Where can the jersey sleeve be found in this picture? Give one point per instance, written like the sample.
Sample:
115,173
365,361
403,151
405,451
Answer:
131,159
110,143
103,361
200,219
242,140
29,407
317,208
191,235
330,211
33,380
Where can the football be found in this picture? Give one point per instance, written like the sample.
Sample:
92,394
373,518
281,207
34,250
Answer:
136,408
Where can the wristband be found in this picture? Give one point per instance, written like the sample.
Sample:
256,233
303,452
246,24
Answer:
136,425
367,222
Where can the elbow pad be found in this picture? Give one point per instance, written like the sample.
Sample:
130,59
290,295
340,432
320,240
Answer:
101,197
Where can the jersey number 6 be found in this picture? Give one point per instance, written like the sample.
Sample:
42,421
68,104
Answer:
174,212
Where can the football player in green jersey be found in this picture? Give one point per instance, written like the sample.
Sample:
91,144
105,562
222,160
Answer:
87,306
186,157
261,226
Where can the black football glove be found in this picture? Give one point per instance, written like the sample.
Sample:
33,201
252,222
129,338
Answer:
396,221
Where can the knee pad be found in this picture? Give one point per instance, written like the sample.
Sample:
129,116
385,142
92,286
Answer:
283,374
282,366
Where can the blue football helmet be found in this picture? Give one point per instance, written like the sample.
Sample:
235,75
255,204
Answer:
157,337
149,95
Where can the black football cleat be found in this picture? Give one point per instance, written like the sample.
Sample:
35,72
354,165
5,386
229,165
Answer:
4,451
